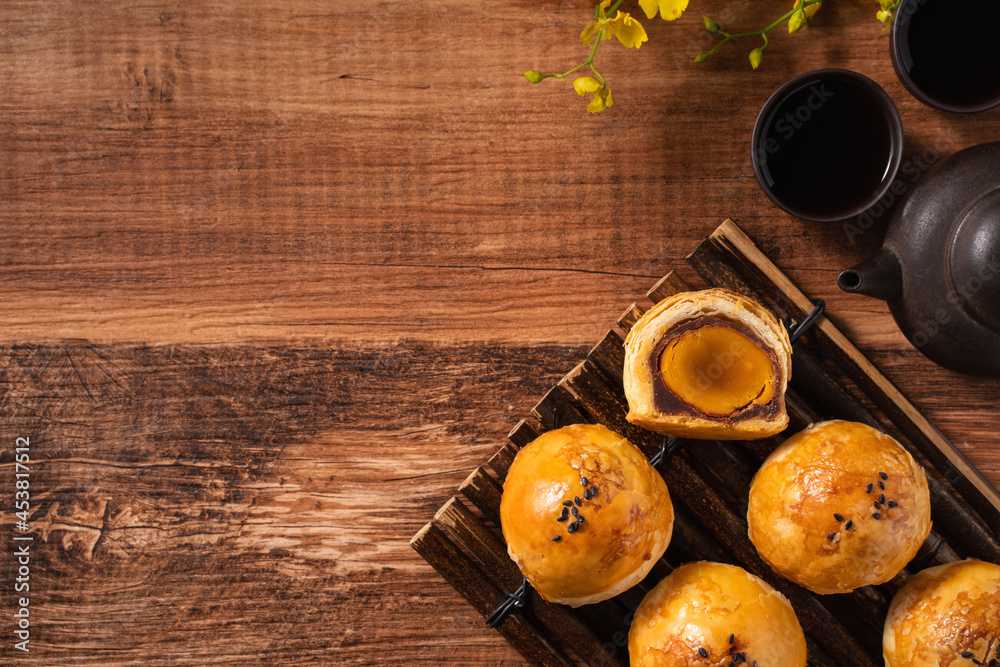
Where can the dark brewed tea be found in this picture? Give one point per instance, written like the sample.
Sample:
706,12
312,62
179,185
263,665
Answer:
949,50
825,149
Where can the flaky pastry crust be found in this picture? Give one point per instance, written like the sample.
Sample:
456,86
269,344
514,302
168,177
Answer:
640,379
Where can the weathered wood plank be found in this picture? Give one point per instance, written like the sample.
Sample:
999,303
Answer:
431,543
559,621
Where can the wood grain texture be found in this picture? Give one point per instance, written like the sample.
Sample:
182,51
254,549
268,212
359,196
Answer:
245,505
259,256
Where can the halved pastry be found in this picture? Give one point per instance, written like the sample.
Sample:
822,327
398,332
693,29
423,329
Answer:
711,364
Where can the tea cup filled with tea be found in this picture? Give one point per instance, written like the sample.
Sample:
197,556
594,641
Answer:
827,145
945,52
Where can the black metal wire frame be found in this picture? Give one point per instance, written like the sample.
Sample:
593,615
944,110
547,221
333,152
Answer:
797,329
515,600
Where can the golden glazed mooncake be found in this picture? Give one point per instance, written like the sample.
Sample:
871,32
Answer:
837,506
714,614
584,514
946,616
711,365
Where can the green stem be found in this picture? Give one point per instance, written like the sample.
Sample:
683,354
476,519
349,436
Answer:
763,31
597,9
604,84
588,62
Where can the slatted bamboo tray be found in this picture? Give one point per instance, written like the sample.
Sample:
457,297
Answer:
709,483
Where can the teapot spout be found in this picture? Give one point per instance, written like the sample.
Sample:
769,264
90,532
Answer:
879,276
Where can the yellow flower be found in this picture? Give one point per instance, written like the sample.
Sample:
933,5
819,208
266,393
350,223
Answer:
593,28
628,31
669,9
600,101
602,96
586,84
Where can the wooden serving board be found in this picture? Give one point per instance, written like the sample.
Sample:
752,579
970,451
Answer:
709,483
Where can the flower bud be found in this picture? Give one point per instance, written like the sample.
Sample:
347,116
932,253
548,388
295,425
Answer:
756,56
711,25
701,57
533,76
796,22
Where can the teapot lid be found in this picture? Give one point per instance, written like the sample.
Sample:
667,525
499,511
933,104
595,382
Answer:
974,260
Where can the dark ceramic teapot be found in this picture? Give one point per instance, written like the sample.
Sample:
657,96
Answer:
939,269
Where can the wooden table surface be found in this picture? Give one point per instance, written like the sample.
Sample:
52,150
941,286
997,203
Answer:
277,276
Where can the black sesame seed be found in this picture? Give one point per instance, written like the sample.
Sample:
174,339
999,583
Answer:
877,515
575,511
572,527
568,503
562,517
883,475
881,486
754,663
557,538
586,494
576,499
966,654
992,663
881,498
703,653
893,503
838,517
877,505
976,661
593,491
565,511
731,664
868,489
583,480
848,525
732,639
831,537
579,519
